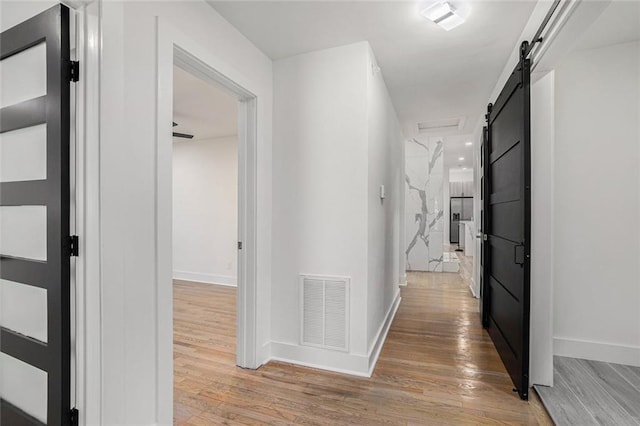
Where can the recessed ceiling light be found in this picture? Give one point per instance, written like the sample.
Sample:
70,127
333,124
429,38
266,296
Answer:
469,143
461,159
464,168
443,14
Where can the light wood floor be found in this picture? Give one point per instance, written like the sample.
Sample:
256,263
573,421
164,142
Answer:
437,367
592,393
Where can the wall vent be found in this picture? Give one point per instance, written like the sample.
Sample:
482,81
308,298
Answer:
324,312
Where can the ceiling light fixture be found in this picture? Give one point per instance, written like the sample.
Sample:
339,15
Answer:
443,14
461,159
469,143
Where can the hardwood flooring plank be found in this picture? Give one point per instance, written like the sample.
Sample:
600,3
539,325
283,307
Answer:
600,404
564,407
620,389
631,374
438,366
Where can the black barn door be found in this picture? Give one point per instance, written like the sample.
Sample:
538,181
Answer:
35,246
507,225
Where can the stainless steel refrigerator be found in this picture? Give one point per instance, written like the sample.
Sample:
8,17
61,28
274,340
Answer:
461,209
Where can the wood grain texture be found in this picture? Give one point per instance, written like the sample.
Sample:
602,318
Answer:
631,374
591,389
438,366
565,406
625,394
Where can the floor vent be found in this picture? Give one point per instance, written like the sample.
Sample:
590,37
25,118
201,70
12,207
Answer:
324,312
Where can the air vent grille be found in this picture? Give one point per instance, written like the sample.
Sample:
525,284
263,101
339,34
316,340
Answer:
456,123
324,307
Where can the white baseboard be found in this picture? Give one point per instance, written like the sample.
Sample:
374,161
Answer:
472,287
381,336
597,351
322,359
205,278
361,365
264,354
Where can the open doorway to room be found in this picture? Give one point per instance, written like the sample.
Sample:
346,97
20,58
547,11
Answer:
205,238
585,150
189,60
459,249
459,191
439,205
205,223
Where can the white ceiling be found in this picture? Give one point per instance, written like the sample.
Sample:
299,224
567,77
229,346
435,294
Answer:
455,148
619,23
430,73
201,109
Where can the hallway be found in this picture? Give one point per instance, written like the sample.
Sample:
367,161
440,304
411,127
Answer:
437,367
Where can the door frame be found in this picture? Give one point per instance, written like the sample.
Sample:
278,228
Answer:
174,48
450,213
85,210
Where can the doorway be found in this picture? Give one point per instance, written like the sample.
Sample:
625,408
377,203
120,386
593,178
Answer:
461,209
174,49
205,181
205,227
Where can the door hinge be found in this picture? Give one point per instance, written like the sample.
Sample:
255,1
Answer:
74,71
72,245
239,245
73,416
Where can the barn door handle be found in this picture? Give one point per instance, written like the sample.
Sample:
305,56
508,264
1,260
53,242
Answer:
518,254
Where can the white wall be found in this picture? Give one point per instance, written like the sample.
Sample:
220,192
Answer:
384,233
459,175
205,210
477,139
596,205
446,208
320,181
542,184
127,166
330,155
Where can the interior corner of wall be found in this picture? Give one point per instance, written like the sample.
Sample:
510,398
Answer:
264,353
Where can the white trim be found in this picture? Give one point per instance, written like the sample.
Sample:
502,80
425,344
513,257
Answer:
361,365
597,351
174,48
542,231
199,277
381,336
472,288
88,278
298,355
567,23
